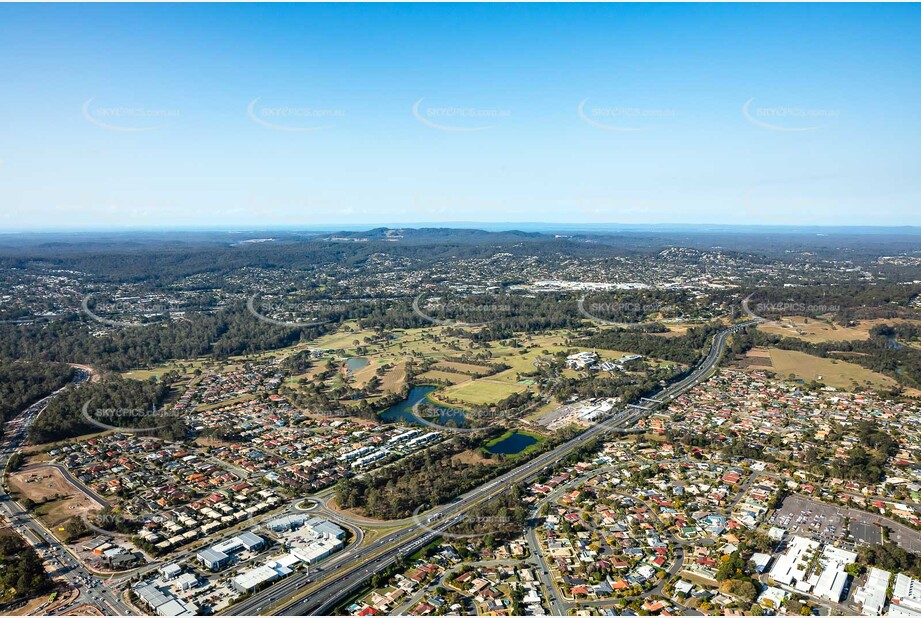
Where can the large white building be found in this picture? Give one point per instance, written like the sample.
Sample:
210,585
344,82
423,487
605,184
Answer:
790,568
833,577
824,577
219,555
872,596
906,597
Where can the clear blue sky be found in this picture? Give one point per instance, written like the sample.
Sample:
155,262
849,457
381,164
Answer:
257,115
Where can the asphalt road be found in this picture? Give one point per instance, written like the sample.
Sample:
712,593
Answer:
69,567
335,580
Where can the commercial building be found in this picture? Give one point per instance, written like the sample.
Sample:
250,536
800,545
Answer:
163,602
872,596
833,578
906,597
212,559
252,579
219,555
761,561
791,566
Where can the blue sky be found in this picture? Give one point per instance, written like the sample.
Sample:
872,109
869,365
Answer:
287,115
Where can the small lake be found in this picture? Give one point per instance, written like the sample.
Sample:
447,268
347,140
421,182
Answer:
513,444
356,362
403,411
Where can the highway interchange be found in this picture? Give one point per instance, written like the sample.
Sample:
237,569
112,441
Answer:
322,588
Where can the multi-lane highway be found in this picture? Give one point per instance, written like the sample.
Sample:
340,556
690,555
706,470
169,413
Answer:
51,549
337,578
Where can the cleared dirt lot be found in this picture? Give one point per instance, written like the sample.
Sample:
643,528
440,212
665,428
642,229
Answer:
58,500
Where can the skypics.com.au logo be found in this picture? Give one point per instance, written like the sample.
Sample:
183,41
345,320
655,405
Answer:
783,308
124,308
119,523
788,119
622,119
480,525
458,119
141,420
469,311
456,420
292,119
127,119
622,314
289,310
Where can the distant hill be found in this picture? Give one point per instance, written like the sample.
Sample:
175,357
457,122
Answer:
431,234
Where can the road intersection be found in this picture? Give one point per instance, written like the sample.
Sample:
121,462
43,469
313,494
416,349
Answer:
327,586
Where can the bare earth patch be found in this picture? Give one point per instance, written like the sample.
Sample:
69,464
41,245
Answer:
58,500
473,458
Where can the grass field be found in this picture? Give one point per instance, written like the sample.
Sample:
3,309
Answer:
420,343
433,343
183,367
464,367
837,373
478,392
444,376
816,330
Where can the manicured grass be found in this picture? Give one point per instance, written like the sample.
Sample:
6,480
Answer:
159,370
447,376
463,367
483,391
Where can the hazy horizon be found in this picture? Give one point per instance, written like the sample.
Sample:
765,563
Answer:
524,226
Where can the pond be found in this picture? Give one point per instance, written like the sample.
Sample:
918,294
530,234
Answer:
512,444
356,362
403,411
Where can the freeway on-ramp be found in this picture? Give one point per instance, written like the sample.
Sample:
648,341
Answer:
319,592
